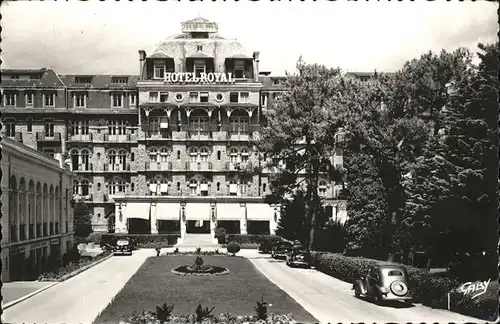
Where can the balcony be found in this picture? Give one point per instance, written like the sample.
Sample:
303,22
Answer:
80,138
239,166
48,137
199,135
117,167
113,138
158,166
198,166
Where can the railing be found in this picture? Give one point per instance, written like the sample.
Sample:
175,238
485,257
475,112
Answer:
43,136
239,135
117,167
80,137
239,166
158,166
199,135
156,135
13,233
198,166
83,168
117,138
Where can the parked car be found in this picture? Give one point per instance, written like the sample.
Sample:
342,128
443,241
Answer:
383,283
267,246
300,258
281,250
123,246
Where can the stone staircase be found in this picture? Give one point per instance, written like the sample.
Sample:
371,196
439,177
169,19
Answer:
198,240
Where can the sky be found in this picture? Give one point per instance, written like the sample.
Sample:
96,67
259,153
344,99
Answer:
93,37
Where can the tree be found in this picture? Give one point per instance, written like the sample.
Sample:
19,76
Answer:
82,220
299,137
111,223
293,218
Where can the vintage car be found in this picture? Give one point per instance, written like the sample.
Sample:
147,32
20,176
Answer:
384,283
267,246
300,258
122,246
281,250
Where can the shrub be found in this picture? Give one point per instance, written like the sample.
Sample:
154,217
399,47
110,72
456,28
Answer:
95,237
163,313
428,289
58,274
203,313
261,309
143,240
233,248
149,317
253,238
198,250
220,235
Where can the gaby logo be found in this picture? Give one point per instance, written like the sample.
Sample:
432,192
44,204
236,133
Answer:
474,288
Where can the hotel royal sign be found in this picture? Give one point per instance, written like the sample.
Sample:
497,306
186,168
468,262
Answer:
190,77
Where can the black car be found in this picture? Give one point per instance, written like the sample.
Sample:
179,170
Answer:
122,247
281,250
300,258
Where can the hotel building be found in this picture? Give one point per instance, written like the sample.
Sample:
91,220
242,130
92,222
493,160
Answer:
170,150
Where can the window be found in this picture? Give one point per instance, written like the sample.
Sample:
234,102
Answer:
117,186
49,128
160,69
204,97
132,157
218,186
322,188
117,100
153,155
199,47
80,99
29,99
50,152
199,67
98,186
178,155
117,127
244,155
83,79
244,97
14,77
178,187
204,154
132,186
239,69
218,155
85,162
238,124
153,96
243,188
133,98
119,79
233,97
122,160
29,125
193,187
179,97
85,187
264,187
193,155
163,96
98,215
9,99
75,160
233,155
193,97
112,158
219,97
233,188
163,154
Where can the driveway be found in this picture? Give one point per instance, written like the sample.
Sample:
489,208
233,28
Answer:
81,298
332,301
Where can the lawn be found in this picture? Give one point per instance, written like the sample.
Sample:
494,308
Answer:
236,292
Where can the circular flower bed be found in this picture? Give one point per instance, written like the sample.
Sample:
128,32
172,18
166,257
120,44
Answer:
198,268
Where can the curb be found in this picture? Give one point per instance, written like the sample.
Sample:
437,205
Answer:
88,266
20,299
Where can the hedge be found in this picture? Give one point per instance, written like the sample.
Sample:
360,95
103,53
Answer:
428,289
252,238
143,240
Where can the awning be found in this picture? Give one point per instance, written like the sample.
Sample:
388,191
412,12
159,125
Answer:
229,211
137,210
260,212
164,187
240,56
233,188
159,55
168,211
197,211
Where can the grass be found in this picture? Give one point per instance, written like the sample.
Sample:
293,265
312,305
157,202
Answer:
236,292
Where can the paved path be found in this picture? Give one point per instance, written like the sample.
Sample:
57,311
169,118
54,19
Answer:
332,300
81,298
17,289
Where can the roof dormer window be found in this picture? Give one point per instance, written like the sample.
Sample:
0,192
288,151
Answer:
200,67
35,77
83,79
239,69
119,79
14,76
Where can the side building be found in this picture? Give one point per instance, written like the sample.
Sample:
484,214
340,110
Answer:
169,150
37,216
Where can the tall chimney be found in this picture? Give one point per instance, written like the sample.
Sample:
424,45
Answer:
142,59
256,59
